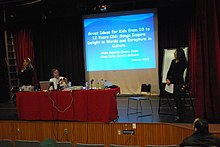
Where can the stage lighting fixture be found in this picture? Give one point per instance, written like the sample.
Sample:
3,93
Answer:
103,8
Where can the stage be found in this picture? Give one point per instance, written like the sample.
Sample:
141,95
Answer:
8,111
156,129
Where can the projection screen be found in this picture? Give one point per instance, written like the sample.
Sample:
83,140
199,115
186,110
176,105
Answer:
122,47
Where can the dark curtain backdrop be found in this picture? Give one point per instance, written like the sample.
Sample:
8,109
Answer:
172,31
4,88
24,48
58,44
205,59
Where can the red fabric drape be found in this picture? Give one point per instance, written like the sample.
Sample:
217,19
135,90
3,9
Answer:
24,48
205,60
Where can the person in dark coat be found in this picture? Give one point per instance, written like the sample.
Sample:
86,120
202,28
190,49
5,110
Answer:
201,136
175,76
26,73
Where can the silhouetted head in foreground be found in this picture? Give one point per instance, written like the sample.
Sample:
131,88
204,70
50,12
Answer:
201,125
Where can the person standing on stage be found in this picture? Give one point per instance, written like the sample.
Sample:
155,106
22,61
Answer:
26,73
58,81
175,76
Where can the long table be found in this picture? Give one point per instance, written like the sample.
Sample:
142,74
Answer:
75,105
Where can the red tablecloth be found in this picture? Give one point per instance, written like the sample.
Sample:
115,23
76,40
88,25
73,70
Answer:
76,105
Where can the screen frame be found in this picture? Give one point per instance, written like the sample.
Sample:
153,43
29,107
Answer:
119,13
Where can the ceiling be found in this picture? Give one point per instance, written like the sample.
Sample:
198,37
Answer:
20,10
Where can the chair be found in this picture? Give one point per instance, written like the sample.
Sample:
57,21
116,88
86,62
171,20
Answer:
115,145
27,143
6,143
48,142
64,144
185,97
146,88
89,145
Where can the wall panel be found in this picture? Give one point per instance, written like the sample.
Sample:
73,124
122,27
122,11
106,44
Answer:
145,133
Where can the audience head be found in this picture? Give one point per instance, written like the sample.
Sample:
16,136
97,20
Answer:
55,73
201,125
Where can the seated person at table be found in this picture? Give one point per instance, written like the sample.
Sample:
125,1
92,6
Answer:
58,81
201,135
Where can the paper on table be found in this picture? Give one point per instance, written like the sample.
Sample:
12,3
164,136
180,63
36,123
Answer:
169,88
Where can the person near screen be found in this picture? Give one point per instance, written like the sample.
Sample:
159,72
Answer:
59,82
26,73
175,76
201,135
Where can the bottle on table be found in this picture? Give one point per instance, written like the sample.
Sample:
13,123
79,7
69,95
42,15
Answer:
97,84
69,84
102,84
87,85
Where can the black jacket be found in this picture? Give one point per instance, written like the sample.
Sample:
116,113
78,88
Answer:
201,139
25,77
175,72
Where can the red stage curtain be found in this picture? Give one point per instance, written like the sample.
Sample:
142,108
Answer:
204,59
24,48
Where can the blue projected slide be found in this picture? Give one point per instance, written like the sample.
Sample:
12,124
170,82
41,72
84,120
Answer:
120,42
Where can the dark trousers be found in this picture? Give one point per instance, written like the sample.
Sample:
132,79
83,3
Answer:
177,98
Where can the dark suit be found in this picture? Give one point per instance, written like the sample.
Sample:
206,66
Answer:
201,139
26,76
175,72
175,75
